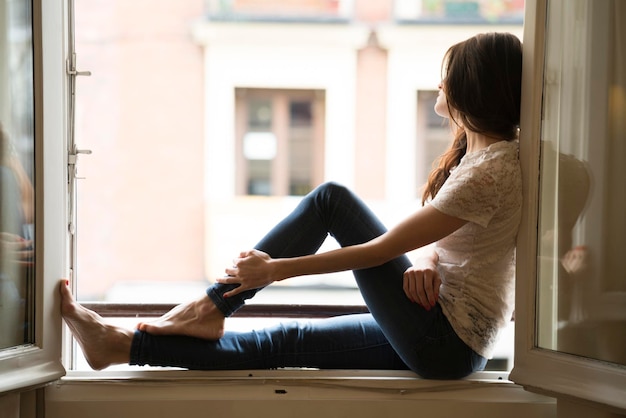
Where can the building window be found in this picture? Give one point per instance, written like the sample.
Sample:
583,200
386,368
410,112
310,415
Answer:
280,141
433,134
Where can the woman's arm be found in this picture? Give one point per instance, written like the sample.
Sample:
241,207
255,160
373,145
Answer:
256,269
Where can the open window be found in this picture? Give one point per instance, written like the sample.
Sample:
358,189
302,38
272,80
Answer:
571,334
208,122
29,322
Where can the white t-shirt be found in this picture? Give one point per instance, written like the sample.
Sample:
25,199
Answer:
477,262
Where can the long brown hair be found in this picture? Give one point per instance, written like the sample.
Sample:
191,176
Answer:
482,79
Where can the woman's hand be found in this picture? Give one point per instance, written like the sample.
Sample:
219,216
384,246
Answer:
422,282
575,260
252,270
16,248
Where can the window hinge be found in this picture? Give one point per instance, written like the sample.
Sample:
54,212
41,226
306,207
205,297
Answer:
73,156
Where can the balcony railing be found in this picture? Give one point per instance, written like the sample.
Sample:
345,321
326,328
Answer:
330,11
459,11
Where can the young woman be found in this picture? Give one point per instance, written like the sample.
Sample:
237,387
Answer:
439,317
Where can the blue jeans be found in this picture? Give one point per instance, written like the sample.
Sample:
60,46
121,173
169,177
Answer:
397,334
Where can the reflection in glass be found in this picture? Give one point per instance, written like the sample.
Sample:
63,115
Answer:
16,174
582,227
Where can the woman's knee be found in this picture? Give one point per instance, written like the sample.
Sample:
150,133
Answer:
331,187
332,190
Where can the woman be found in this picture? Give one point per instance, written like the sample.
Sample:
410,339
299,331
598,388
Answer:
439,317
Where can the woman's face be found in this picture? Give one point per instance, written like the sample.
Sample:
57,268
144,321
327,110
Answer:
441,105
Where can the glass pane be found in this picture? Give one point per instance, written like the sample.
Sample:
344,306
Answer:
140,212
260,115
259,148
259,177
16,174
301,142
582,241
433,135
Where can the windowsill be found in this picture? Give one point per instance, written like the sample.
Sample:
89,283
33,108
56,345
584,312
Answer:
379,384
288,393
175,389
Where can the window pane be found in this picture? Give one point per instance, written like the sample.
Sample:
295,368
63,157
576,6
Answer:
259,148
433,134
301,142
259,177
16,174
260,115
300,114
140,214
581,281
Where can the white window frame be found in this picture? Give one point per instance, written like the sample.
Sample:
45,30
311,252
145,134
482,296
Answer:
549,372
33,365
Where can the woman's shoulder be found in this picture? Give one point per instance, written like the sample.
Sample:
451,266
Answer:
495,150
497,157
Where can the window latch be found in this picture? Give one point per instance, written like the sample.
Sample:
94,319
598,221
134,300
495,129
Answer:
71,68
72,159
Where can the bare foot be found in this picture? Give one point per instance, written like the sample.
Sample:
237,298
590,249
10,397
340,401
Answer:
103,344
200,319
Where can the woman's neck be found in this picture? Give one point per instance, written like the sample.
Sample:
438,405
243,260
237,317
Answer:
477,141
